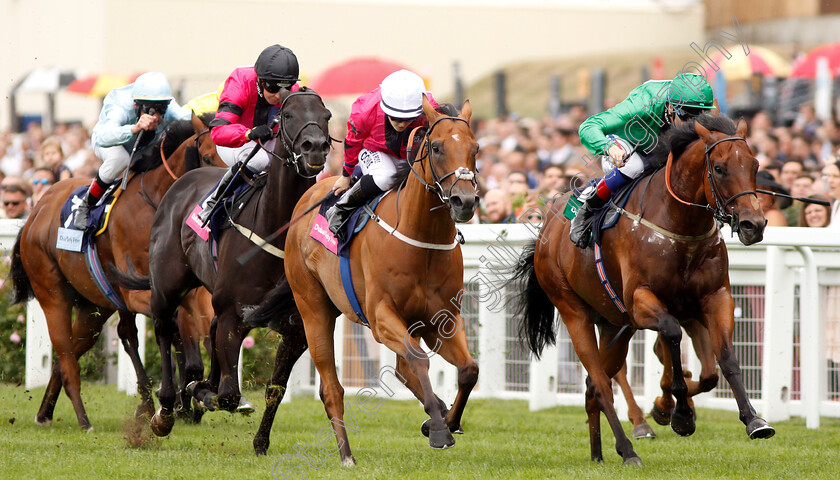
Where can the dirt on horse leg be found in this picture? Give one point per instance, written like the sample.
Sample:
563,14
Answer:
229,334
291,347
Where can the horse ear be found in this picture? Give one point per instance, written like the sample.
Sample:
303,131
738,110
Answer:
429,110
742,128
466,111
703,132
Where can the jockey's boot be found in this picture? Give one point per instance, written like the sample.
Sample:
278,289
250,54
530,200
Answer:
217,194
94,193
591,200
355,197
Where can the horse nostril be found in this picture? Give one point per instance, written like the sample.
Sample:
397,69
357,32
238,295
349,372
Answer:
456,201
306,146
747,226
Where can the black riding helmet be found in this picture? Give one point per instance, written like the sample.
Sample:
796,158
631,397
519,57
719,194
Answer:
277,64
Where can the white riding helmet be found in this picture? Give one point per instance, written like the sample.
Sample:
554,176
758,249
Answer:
151,87
402,94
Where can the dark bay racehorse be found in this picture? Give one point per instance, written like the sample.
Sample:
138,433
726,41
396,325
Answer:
60,279
668,267
180,260
408,283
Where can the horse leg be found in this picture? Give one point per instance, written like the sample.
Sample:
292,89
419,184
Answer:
648,310
291,347
599,395
718,309
455,351
662,406
641,429
204,391
127,331
229,334
320,326
165,327
702,342
83,334
391,331
411,382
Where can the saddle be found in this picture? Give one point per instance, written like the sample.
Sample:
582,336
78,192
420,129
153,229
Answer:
244,187
99,213
354,224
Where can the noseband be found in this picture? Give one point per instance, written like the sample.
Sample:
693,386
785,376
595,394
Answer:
719,210
460,173
288,141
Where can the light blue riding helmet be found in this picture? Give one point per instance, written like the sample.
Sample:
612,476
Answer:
151,87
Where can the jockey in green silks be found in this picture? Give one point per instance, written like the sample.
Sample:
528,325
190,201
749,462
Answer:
628,132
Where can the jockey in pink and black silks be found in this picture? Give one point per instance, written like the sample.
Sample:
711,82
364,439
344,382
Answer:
378,128
248,102
627,133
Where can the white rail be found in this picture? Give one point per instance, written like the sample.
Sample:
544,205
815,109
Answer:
780,336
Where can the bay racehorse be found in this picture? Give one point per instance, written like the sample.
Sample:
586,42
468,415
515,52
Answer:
181,260
667,264
408,280
60,280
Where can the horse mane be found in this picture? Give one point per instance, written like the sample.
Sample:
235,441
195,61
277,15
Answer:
149,157
676,140
448,109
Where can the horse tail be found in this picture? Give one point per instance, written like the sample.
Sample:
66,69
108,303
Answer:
532,305
131,279
278,308
20,280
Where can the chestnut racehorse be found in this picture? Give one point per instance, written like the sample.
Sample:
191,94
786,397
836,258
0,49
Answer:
408,280
61,282
666,262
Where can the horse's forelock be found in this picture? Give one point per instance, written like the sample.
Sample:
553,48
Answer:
677,140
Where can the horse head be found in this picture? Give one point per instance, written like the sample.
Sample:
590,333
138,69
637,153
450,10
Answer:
304,138
207,154
450,146
730,182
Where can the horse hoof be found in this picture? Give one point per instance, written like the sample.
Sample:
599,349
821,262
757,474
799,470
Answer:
46,422
635,461
245,407
348,462
661,417
190,388
88,429
424,428
758,428
210,403
643,431
162,423
441,439
682,425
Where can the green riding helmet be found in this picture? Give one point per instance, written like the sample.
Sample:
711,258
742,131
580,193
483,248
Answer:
691,90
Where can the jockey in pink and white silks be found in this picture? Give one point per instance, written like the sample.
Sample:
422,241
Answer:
250,99
378,128
146,106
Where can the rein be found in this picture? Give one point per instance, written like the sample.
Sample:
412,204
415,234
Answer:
719,209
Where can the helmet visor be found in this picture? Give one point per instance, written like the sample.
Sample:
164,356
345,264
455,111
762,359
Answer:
687,113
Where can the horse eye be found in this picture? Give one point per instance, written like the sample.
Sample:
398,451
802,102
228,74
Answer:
435,148
718,170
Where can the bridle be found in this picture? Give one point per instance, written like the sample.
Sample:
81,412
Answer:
460,173
719,209
288,141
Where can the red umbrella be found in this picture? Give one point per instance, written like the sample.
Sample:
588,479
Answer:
355,76
807,66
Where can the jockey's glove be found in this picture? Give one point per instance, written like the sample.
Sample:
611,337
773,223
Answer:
261,132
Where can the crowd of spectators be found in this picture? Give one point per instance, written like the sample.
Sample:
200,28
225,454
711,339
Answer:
523,163
33,160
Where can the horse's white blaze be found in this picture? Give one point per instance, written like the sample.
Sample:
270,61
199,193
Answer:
455,137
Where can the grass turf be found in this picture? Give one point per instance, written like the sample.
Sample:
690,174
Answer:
503,440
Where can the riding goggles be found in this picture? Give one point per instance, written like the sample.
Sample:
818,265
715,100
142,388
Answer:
152,108
687,113
274,86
